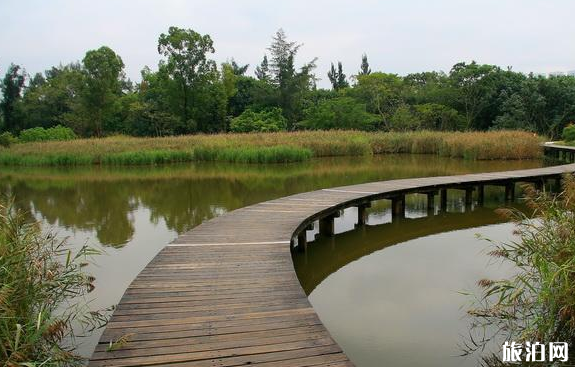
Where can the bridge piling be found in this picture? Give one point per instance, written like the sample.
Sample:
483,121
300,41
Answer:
398,206
362,213
480,195
431,202
443,200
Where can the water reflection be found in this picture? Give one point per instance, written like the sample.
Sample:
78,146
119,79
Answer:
388,291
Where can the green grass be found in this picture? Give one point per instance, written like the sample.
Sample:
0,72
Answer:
271,147
275,154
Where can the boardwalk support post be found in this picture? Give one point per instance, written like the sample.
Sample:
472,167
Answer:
443,203
510,191
327,225
431,202
557,186
302,241
398,206
469,197
362,213
480,195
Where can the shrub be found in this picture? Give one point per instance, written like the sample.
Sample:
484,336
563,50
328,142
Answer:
537,303
569,133
343,113
41,285
57,133
6,139
269,120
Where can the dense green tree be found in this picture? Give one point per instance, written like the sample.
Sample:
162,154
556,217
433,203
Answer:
364,68
471,82
55,98
239,70
263,121
186,53
11,87
339,113
433,116
291,84
103,86
337,77
253,93
404,119
381,92
263,70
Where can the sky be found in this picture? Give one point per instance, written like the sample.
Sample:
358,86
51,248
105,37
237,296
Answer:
398,36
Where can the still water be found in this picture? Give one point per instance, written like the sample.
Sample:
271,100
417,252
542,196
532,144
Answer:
132,212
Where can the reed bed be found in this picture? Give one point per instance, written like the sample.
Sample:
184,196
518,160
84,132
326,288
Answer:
537,304
272,147
41,282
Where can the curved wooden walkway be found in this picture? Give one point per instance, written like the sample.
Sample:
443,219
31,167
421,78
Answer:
226,293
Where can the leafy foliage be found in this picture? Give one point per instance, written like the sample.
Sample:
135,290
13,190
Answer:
569,134
344,113
189,93
40,134
262,121
7,139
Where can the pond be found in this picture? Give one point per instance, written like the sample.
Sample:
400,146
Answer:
362,293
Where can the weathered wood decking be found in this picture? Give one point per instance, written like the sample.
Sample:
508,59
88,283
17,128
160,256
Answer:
226,293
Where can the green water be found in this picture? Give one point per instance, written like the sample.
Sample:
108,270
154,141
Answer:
132,212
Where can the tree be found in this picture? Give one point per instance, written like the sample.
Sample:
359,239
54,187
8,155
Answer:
263,70
403,119
337,77
470,80
433,116
237,69
264,121
339,113
364,68
381,92
104,81
11,88
291,85
186,60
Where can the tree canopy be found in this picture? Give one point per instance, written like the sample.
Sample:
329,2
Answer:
189,93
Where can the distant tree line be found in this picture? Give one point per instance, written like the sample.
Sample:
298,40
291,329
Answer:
190,93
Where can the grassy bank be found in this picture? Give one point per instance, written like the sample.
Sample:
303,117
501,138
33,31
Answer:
272,147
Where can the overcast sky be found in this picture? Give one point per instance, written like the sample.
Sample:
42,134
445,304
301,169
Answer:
398,36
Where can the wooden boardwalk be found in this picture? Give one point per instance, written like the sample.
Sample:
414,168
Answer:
226,293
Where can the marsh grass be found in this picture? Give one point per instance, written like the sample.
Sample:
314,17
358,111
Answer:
40,279
272,147
537,304
274,154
